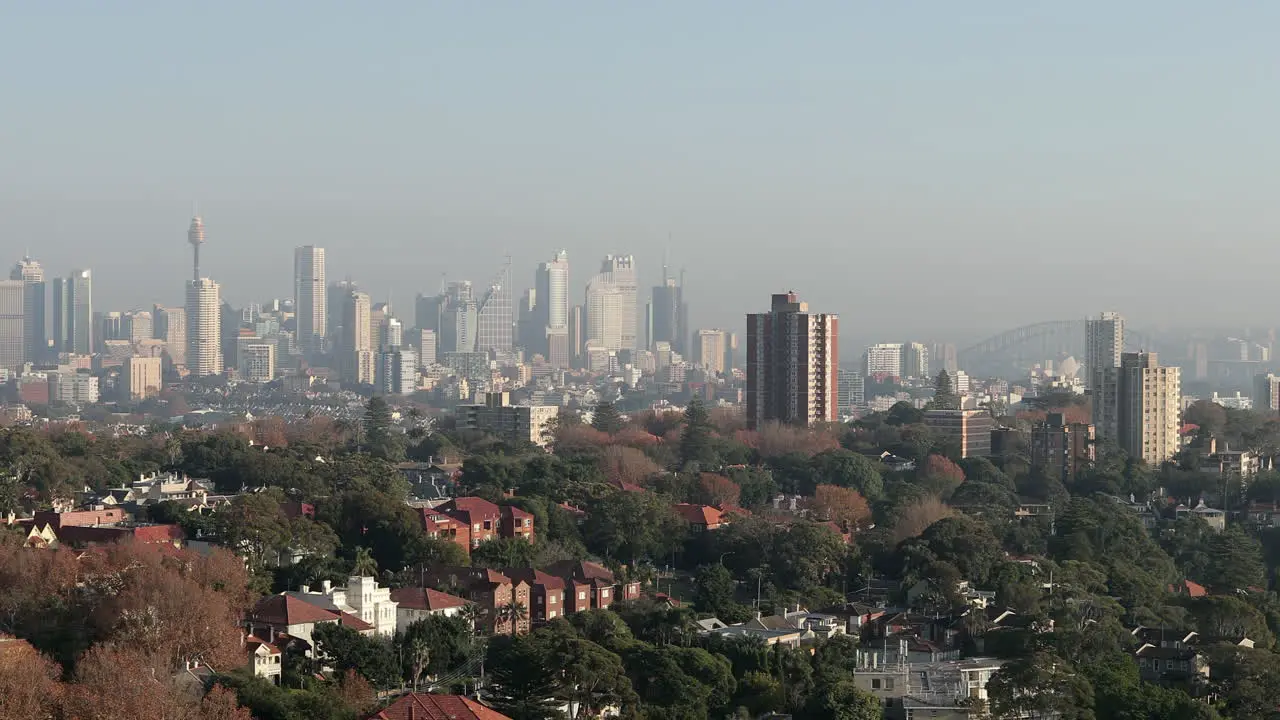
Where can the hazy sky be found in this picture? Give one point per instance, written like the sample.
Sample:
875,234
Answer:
910,165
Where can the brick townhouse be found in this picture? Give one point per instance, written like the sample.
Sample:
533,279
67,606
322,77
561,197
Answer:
469,521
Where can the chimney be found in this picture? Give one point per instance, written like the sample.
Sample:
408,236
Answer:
302,588
326,586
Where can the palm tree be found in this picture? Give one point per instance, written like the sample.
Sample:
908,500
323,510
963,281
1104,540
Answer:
513,612
473,615
364,565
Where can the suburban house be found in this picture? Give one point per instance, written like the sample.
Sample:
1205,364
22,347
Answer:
589,585
159,487
490,590
414,604
1213,517
264,658
361,598
700,517
469,521
421,706
1175,657
285,616
944,690
546,593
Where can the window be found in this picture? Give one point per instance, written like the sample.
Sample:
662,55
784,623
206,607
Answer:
551,614
539,599
888,683
875,683
555,599
477,527
604,593
582,595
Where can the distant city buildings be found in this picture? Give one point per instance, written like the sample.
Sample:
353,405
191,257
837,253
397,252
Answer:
915,360
1266,392
1144,399
551,311
357,345
34,345
668,315
850,390
495,315
397,372
792,358
712,350
969,429
1104,345
140,378
12,324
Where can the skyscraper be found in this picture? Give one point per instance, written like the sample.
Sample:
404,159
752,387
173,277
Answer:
170,325
575,335
851,390
551,291
495,315
79,290
12,323
883,359
712,349
669,318
335,299
1147,407
915,360
357,345
1104,339
309,290
33,308
428,311
139,325
204,328
458,321
611,305
792,357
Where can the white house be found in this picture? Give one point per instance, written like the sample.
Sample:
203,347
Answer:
414,604
264,658
361,598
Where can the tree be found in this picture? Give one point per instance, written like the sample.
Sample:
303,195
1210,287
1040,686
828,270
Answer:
29,686
501,552
697,448
605,418
843,506
916,517
714,588
944,393
591,677
841,700
445,640
848,469
513,612
255,526
522,680
384,440
1041,686
718,490
1236,561
364,564
940,476
961,541
903,413
345,649
633,525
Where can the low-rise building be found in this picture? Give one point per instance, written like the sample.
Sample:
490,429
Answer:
421,706
264,658
414,604
1213,517
495,594
969,429
513,423
361,598
590,586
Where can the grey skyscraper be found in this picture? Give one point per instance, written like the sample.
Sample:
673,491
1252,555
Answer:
428,311
458,322
309,297
33,308
669,321
1104,347
80,312
335,299
495,318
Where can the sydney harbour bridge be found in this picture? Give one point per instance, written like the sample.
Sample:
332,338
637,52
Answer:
1020,348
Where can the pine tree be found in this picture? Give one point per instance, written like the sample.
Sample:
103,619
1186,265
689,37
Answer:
697,445
606,418
944,393
522,683
384,440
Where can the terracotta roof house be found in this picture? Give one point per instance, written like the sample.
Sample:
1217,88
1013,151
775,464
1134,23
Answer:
488,589
286,615
700,517
421,706
264,658
414,604
469,521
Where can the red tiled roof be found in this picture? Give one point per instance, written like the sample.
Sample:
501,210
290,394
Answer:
534,577
582,571
699,514
420,706
472,507
288,610
348,620
253,642
426,599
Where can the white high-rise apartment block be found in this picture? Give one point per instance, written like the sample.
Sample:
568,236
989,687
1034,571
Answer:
792,357
257,360
1266,393
1147,403
611,305
357,333
851,390
1104,338
33,307
140,378
309,293
204,328
712,346
884,359
915,360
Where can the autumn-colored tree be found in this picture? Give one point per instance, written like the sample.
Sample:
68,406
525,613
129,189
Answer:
220,704
915,518
627,464
29,686
840,505
578,436
777,439
940,476
112,683
271,431
356,693
718,490
635,437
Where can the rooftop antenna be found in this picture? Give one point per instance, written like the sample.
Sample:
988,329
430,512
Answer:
666,248
195,236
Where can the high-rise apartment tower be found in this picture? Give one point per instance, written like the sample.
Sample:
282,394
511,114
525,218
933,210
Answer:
792,361
309,293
